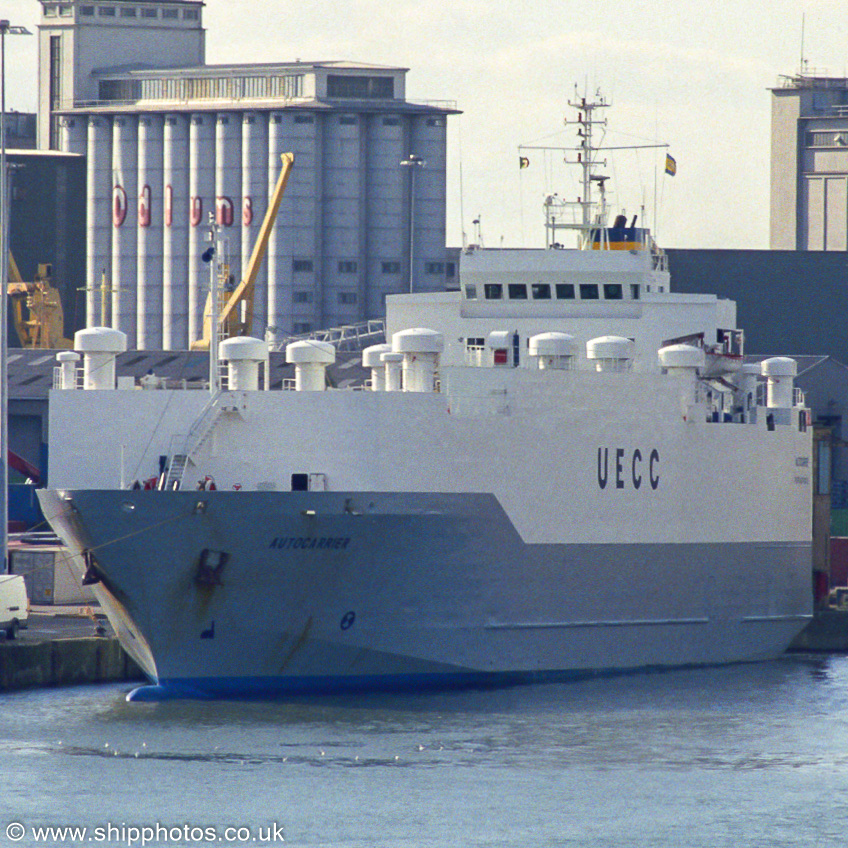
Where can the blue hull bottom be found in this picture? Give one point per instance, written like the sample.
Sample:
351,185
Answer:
273,688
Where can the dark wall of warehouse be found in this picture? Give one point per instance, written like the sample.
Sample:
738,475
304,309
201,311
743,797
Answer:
47,225
788,302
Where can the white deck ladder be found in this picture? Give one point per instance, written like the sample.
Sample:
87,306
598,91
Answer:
197,436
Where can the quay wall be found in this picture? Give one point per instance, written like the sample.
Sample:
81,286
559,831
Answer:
64,662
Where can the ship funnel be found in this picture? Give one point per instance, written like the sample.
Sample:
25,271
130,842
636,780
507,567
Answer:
780,372
610,353
243,355
392,363
371,359
100,347
553,351
310,359
67,368
420,348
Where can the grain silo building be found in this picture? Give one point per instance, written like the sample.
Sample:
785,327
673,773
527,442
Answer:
169,140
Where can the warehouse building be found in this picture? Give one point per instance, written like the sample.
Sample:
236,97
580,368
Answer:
47,226
169,140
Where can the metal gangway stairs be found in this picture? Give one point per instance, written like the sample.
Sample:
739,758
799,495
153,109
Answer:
346,337
182,447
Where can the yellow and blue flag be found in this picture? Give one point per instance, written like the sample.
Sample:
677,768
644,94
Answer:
670,165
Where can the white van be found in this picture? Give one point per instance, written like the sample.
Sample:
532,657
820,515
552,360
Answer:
14,605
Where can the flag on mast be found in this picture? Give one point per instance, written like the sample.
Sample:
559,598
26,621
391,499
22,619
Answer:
523,162
670,165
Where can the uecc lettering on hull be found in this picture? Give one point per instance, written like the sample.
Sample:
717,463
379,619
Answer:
627,468
562,469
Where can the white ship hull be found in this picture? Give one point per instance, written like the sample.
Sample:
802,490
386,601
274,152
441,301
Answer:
381,590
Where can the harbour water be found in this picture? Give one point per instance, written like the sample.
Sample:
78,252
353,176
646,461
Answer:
750,755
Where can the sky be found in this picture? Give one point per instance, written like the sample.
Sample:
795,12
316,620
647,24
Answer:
693,75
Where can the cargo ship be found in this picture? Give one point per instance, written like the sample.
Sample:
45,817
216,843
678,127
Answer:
563,469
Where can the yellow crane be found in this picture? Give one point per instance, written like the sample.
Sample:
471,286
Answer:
37,309
236,314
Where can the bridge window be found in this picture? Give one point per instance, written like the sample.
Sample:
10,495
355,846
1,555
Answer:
613,291
588,291
565,291
493,291
517,291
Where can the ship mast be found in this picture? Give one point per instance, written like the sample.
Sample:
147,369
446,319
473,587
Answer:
586,122
585,215
590,218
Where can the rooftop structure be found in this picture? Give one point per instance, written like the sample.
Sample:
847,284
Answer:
290,82
77,37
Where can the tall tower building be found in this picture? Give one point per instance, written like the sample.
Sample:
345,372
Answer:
169,140
809,164
76,39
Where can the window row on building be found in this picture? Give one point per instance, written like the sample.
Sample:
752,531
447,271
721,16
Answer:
272,86
555,291
139,12
827,138
343,298
351,266
66,10
360,87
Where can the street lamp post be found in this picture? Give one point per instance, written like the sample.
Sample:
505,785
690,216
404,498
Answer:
412,162
5,29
